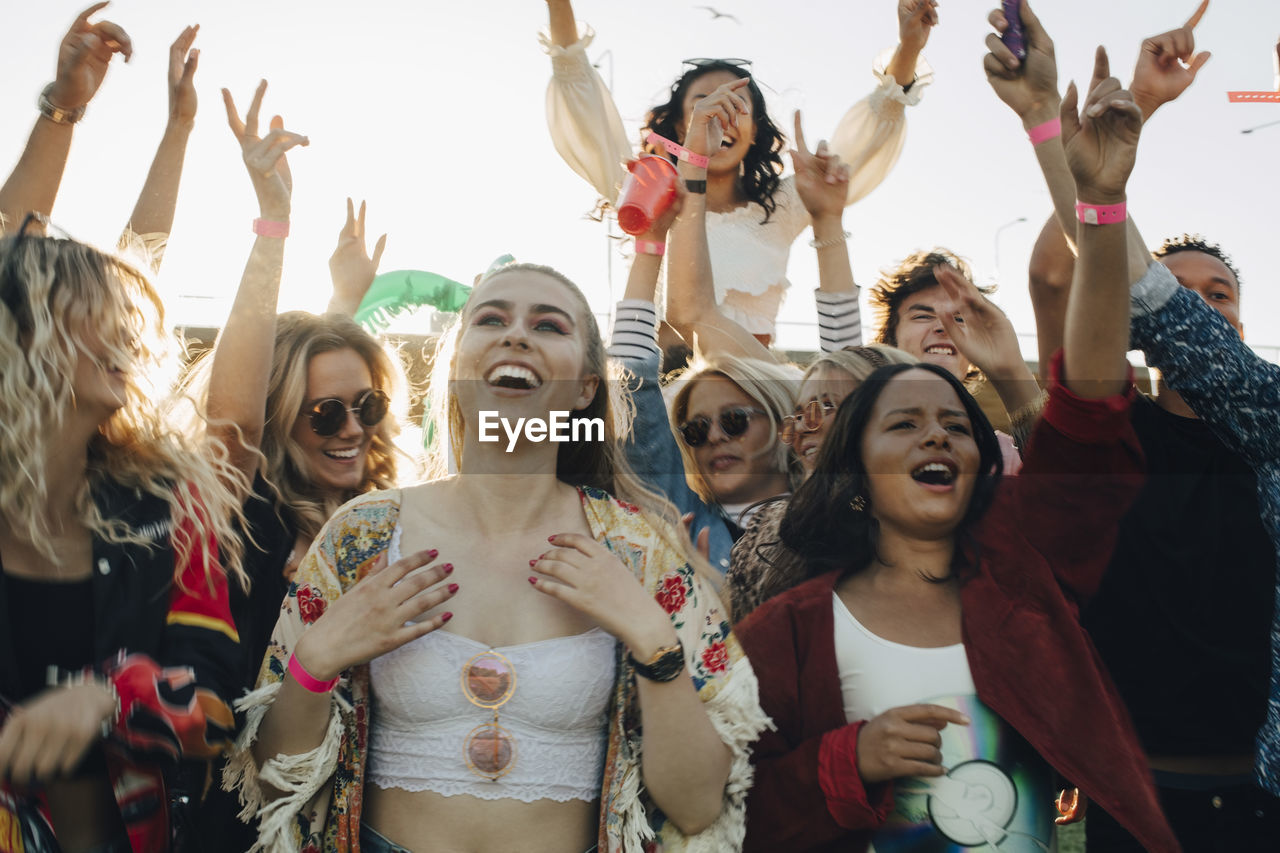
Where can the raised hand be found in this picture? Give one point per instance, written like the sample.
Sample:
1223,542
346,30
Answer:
586,575
376,615
264,157
350,267
45,738
1167,65
978,328
1030,85
822,181
83,57
1101,142
905,741
713,114
916,20
182,70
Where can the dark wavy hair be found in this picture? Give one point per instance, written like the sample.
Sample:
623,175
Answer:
762,165
821,524
1197,243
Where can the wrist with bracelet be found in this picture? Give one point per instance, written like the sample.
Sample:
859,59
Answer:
1101,214
664,665
89,677
271,228
55,113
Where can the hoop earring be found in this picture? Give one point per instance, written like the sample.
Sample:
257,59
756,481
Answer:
858,504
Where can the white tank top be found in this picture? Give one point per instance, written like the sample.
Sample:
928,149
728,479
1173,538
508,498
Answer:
877,674
556,716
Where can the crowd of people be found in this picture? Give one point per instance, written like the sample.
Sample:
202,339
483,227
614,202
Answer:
769,607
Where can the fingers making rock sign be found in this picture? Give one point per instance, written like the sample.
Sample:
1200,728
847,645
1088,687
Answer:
350,267
1168,64
1101,141
265,156
821,179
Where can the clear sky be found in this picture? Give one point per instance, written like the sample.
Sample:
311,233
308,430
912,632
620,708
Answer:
434,113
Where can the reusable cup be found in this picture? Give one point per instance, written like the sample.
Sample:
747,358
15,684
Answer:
647,192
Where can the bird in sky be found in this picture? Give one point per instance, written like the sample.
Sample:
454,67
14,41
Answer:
716,14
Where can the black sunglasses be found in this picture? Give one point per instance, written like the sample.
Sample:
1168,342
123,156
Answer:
809,419
328,416
733,423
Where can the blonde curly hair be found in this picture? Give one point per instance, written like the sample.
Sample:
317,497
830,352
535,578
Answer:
62,301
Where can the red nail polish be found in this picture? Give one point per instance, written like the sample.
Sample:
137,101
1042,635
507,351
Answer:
446,616
533,581
551,539
432,553
453,587
447,568
533,562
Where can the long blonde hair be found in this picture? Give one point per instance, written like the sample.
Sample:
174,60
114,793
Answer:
300,337
55,296
597,464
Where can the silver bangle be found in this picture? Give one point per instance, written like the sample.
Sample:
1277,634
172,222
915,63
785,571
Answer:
55,113
831,241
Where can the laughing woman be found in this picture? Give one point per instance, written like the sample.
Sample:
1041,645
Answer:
933,674
517,726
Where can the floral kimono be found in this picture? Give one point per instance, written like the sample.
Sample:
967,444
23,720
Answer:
324,787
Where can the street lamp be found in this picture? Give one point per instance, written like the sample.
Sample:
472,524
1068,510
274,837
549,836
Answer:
1260,127
996,241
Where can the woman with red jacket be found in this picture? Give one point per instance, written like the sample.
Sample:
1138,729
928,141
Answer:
933,674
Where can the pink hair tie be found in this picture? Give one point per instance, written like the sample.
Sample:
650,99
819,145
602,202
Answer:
678,151
270,228
306,679
1044,132
651,247
1101,214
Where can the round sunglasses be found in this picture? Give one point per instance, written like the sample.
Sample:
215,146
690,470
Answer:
809,419
328,416
733,422
488,680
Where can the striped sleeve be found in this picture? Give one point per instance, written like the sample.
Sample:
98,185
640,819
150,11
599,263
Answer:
839,319
635,330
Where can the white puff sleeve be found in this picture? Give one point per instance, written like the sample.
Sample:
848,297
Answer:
584,122
870,136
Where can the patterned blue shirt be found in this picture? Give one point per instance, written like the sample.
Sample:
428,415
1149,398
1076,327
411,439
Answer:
1237,393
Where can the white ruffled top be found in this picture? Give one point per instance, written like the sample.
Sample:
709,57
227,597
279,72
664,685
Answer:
748,258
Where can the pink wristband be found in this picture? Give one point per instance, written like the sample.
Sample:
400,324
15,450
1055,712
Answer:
651,247
1051,129
679,151
306,679
270,228
1100,214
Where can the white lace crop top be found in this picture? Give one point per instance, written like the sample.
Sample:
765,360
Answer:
555,717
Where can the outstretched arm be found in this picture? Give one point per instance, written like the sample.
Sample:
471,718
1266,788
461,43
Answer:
584,122
691,298
870,136
822,183
153,213
242,358
1101,144
83,56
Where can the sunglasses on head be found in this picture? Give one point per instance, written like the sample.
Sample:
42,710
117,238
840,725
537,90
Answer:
700,61
733,423
328,416
809,419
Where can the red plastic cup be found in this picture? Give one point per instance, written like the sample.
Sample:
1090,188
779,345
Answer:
647,192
